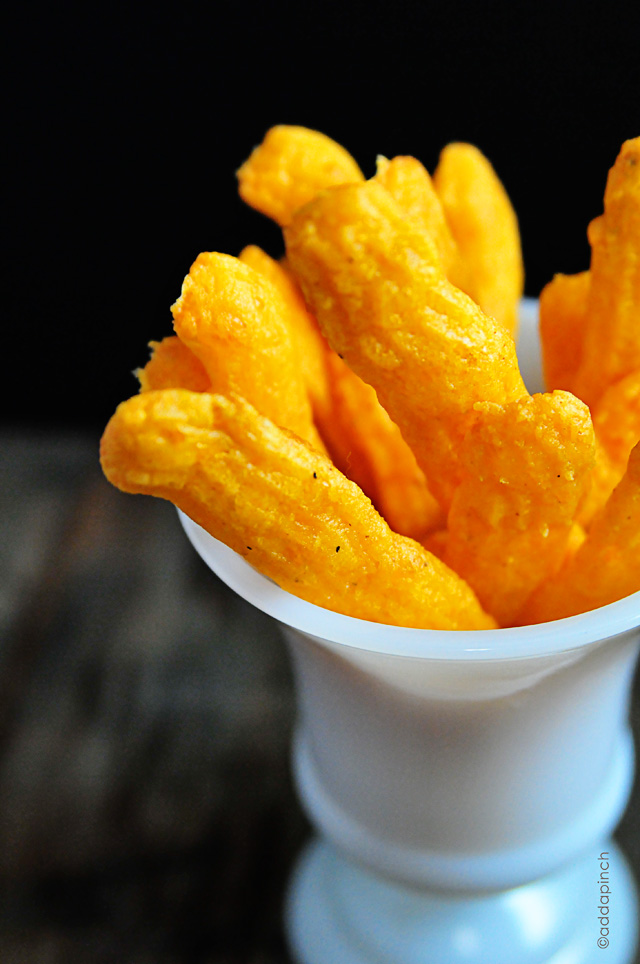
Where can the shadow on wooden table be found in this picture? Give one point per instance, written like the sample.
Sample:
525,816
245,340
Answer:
145,718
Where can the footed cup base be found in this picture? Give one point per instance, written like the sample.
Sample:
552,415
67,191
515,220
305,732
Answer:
337,911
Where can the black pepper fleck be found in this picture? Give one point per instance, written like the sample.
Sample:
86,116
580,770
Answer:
337,548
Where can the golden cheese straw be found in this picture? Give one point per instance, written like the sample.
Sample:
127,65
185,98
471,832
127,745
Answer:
309,341
411,187
369,449
288,169
293,164
172,365
563,309
282,506
616,420
377,288
607,565
233,320
526,466
611,346
485,228
616,413
361,438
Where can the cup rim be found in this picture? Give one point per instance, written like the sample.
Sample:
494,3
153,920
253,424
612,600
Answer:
520,642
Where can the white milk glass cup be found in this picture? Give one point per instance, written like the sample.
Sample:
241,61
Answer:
464,784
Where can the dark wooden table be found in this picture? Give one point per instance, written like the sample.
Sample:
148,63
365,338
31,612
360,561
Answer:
147,814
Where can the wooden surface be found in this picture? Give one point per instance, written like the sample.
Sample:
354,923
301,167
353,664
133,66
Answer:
147,814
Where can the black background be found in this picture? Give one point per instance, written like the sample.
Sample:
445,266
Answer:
126,125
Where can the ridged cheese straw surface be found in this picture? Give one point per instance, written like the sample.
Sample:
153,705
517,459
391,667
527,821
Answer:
604,478
409,184
607,565
369,449
485,228
611,347
173,365
361,438
288,169
377,288
282,506
563,309
233,320
617,418
526,466
616,413
616,421
310,344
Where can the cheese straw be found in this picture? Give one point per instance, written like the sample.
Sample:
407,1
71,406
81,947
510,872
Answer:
409,184
369,449
283,506
607,565
172,365
232,319
616,420
361,438
526,466
288,169
377,288
563,309
485,228
611,346
310,344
